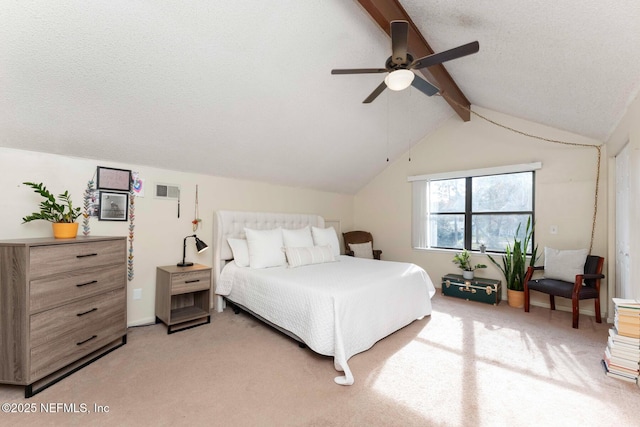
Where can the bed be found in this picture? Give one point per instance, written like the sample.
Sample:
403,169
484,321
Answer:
337,308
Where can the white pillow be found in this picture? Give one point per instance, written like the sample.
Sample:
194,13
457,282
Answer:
564,265
265,248
309,255
240,251
362,250
299,238
326,236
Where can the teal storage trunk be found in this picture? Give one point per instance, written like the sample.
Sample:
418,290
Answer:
476,289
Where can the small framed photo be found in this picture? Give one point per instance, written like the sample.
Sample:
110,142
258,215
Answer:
113,179
113,206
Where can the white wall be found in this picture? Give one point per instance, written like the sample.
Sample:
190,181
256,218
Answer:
159,233
564,192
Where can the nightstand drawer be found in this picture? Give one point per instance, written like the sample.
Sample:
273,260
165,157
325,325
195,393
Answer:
50,292
71,318
190,281
53,259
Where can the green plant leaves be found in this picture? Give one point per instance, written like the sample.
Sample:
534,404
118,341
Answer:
514,261
50,210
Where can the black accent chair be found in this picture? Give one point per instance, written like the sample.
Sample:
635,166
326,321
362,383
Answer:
354,237
574,291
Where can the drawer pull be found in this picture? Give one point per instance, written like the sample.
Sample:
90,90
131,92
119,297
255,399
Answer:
87,312
192,281
88,283
87,255
87,340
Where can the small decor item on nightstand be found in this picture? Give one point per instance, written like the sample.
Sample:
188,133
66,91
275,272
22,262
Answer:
60,213
463,261
200,246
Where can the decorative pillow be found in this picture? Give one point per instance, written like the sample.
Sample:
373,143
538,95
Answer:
362,250
309,255
326,236
240,251
265,248
299,238
564,265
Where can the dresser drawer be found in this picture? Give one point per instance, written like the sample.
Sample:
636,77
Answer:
53,355
53,259
190,281
50,292
70,318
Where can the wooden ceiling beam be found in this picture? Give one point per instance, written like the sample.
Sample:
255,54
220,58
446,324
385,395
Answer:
385,11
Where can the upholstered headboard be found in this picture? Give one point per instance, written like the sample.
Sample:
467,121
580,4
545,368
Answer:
231,224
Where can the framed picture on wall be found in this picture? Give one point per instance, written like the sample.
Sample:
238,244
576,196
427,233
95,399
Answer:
113,179
113,206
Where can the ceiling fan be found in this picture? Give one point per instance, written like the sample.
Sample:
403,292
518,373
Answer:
401,62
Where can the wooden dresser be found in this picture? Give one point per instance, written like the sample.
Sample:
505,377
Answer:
62,306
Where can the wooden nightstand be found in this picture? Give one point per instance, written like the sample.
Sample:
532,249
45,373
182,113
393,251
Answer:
182,296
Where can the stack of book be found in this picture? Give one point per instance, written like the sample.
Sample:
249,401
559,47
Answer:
622,354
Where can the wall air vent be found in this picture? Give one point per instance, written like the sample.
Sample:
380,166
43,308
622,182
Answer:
167,191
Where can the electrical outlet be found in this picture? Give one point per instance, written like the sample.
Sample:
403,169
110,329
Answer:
553,229
137,293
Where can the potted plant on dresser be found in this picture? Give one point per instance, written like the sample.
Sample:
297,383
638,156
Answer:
514,265
463,261
60,212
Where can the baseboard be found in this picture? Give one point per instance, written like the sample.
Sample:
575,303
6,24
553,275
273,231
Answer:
142,322
567,309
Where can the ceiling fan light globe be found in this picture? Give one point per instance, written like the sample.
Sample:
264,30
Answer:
399,79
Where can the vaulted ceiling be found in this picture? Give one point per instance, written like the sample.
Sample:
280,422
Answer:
243,88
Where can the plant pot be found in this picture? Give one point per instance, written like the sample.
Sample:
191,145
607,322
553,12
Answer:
467,274
515,298
65,230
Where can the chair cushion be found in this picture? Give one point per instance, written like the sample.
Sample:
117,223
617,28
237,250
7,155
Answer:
564,265
560,288
361,250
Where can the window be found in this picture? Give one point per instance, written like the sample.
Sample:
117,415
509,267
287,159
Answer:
468,209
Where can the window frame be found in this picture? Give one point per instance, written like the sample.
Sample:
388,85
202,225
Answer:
421,215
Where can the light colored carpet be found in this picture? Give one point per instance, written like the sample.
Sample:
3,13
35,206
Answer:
468,364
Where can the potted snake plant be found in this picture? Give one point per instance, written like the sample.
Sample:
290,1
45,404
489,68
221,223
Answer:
58,211
514,264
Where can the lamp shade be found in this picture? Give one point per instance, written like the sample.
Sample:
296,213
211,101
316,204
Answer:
201,246
399,79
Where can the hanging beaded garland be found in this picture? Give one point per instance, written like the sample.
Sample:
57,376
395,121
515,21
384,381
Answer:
132,198
88,194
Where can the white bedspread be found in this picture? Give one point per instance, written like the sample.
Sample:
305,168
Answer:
338,309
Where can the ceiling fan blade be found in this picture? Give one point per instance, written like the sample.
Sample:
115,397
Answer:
447,55
399,34
377,91
360,71
424,86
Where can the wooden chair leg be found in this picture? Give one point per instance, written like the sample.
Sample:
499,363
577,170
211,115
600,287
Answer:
552,302
597,307
575,308
526,299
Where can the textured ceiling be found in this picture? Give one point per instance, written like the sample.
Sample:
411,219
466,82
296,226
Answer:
243,88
